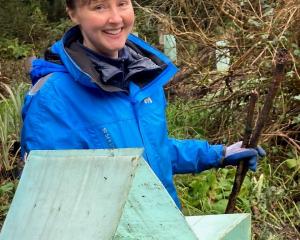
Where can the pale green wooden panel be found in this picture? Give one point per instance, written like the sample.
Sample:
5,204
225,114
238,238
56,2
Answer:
150,212
221,227
80,194
71,195
170,47
223,56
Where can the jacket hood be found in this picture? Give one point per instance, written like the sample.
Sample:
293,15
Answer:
65,56
39,68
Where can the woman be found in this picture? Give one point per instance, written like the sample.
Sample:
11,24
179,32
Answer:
100,87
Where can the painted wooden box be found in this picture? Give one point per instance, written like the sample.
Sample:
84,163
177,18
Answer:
104,194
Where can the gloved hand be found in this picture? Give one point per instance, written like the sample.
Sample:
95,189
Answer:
235,153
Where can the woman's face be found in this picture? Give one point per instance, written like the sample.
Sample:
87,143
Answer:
105,24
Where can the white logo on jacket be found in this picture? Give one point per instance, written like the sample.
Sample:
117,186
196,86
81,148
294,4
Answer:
147,100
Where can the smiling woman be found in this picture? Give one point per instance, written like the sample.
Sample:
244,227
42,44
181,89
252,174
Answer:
100,87
104,24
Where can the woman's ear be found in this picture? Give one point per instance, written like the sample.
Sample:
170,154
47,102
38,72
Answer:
72,14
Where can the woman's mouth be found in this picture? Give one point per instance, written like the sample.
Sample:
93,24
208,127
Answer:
113,31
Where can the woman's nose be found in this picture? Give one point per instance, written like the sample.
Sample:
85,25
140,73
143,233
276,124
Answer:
115,16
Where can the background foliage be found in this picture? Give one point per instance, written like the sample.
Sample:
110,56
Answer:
204,103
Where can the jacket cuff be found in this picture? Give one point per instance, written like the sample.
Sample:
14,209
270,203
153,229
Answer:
215,157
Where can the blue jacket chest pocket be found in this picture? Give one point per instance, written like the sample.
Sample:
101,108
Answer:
152,119
154,105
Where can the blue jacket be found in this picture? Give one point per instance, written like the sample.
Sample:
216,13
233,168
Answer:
68,109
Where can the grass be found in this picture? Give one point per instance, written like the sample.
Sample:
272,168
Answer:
7,190
11,101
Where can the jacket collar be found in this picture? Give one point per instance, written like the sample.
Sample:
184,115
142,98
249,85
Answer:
73,59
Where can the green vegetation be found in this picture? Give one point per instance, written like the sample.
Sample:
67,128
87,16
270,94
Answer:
271,194
7,190
203,103
10,124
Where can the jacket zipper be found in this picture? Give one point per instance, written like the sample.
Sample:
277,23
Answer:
139,128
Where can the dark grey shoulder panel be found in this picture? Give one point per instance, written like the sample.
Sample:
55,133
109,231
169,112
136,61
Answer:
39,84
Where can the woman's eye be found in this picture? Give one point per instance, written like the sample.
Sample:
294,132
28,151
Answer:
123,3
99,7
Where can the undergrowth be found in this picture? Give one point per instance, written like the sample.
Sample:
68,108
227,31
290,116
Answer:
7,190
11,102
271,194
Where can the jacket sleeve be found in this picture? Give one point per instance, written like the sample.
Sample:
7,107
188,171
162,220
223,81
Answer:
193,156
